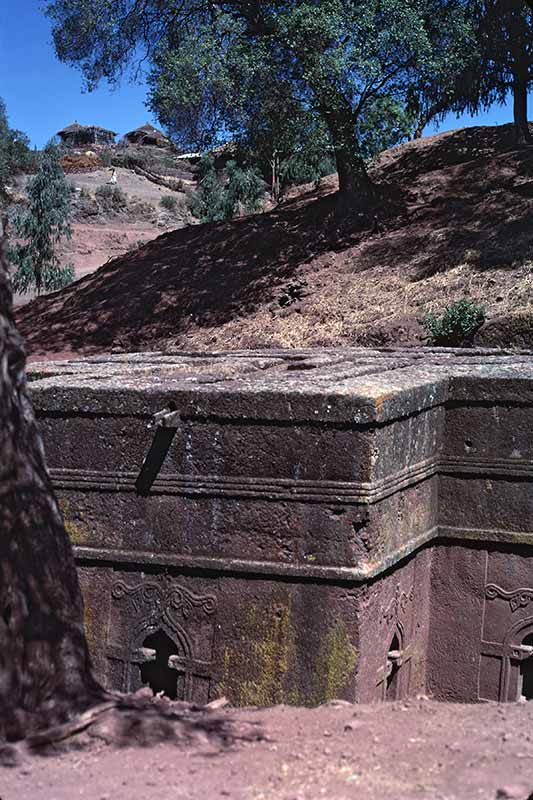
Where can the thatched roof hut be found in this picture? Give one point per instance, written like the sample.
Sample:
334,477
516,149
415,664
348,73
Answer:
77,135
148,135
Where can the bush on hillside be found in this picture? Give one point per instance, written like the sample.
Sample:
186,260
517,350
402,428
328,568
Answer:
111,197
216,199
457,324
168,202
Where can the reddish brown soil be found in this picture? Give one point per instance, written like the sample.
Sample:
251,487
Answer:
405,751
93,244
455,220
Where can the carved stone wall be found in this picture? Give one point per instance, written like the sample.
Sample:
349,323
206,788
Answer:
297,526
143,607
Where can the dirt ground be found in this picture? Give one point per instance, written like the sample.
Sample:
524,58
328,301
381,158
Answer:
454,221
92,244
402,751
129,182
100,240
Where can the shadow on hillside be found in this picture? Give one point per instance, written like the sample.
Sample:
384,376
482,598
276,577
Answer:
461,198
476,212
204,275
444,151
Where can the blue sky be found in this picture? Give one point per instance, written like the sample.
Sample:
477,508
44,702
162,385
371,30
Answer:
42,95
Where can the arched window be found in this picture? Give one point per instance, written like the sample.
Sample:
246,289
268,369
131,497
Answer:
394,656
157,673
525,682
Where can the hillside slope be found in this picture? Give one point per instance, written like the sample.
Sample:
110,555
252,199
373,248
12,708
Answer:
457,220
102,229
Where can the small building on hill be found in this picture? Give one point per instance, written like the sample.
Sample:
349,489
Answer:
221,154
148,135
77,135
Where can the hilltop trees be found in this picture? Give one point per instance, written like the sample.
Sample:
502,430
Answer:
338,61
40,226
504,63
15,156
242,98
15,153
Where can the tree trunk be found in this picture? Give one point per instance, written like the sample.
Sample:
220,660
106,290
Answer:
275,190
45,674
523,135
354,181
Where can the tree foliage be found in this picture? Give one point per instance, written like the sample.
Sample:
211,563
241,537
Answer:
40,227
15,154
220,196
502,62
218,66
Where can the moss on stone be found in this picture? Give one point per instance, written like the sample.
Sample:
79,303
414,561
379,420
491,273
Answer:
335,664
268,651
78,530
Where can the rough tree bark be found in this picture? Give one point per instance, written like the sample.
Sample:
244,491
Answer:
354,181
520,41
45,673
355,184
520,87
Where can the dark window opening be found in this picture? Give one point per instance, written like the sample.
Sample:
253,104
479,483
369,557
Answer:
393,670
157,673
525,693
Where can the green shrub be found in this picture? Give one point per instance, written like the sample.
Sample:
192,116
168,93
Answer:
106,158
169,202
456,325
217,200
111,197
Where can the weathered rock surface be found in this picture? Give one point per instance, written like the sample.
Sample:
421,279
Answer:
297,526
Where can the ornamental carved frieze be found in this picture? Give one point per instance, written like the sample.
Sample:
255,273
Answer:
160,606
398,605
518,598
163,598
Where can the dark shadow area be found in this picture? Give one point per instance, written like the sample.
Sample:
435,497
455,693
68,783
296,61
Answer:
459,198
157,674
141,721
393,663
526,673
154,460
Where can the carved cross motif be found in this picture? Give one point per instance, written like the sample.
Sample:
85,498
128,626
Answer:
518,598
159,607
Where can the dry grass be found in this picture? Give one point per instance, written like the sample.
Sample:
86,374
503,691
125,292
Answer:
455,221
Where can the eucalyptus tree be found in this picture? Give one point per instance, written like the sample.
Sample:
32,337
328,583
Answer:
15,156
339,60
40,226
